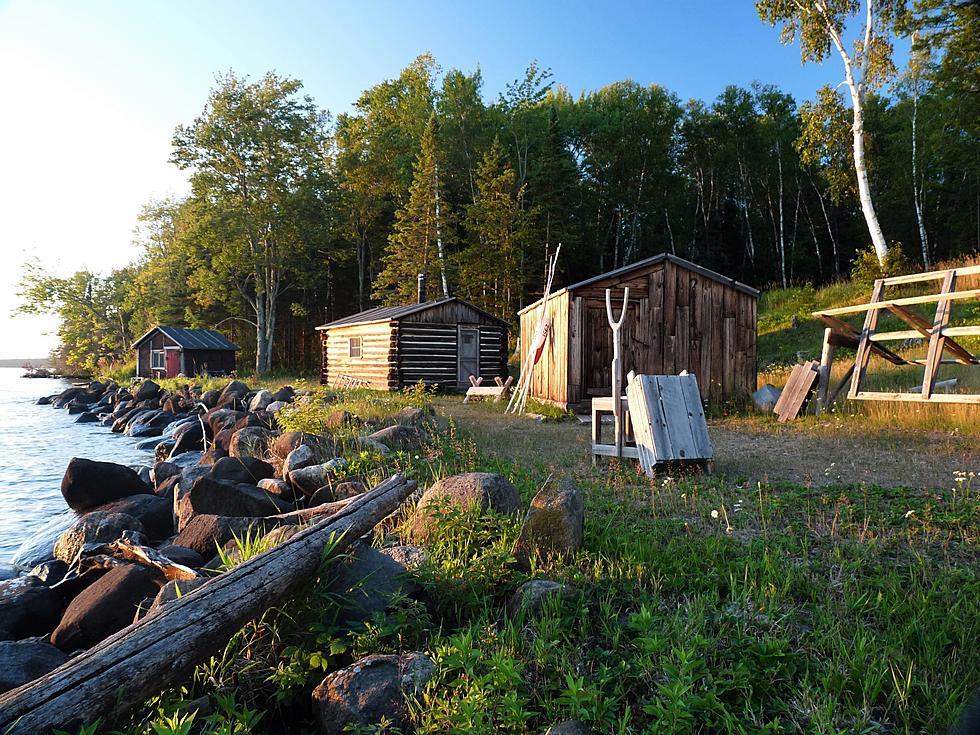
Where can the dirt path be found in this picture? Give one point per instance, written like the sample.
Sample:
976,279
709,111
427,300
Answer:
795,453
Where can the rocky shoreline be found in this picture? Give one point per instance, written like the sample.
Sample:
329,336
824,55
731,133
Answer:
223,471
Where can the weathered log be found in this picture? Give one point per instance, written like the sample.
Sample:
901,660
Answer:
121,672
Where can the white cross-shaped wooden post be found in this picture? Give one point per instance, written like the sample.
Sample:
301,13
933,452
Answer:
617,368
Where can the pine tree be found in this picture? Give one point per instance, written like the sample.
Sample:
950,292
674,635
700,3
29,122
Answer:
421,231
490,273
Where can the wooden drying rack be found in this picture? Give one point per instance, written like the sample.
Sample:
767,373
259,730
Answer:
941,338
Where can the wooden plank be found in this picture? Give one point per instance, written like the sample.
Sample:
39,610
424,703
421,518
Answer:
835,394
932,275
798,387
639,411
826,363
864,345
906,301
937,342
917,397
925,329
677,420
609,450
846,331
695,411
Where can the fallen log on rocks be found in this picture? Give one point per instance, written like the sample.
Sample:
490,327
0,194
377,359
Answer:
121,672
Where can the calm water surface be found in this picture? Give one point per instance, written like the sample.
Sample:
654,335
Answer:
36,443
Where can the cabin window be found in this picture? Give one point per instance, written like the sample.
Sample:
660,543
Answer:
157,361
354,347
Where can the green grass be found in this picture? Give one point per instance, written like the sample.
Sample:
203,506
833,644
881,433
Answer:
702,605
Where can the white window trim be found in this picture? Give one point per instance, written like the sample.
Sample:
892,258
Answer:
350,348
163,359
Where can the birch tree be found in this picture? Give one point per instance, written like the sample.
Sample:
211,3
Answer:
820,27
251,154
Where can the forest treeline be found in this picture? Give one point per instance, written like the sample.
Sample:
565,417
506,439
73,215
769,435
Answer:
296,217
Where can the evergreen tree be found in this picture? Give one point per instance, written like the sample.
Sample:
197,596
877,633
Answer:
417,243
490,272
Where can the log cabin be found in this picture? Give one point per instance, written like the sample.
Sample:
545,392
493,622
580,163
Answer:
439,342
166,352
681,316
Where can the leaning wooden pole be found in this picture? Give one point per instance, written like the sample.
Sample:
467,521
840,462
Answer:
123,671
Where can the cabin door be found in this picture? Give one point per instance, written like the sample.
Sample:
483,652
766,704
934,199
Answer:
468,351
173,363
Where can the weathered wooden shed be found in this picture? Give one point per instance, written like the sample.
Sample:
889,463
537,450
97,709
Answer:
438,342
165,352
681,317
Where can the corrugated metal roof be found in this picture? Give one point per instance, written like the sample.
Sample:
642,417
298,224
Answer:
192,339
706,272
388,313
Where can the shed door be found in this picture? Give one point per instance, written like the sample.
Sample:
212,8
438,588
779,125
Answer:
468,352
173,363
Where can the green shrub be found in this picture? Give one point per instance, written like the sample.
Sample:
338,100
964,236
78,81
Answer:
866,269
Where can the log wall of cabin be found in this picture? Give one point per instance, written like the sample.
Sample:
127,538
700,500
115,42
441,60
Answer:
428,352
377,364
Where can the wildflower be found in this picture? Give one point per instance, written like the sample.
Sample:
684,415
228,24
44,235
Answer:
714,514
909,514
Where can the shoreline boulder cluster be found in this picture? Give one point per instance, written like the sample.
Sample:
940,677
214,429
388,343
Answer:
222,472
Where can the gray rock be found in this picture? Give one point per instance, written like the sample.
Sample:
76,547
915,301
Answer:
531,595
410,416
151,443
765,398
86,417
368,579
174,590
154,513
146,390
97,527
88,484
481,490
205,534
260,401
276,406
570,727
369,690
554,524
25,661
278,488
408,556
310,479
302,456
252,441
398,437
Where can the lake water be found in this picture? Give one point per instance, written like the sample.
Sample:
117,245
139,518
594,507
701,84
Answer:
36,443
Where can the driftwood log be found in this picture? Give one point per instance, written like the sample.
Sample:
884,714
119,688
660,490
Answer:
121,672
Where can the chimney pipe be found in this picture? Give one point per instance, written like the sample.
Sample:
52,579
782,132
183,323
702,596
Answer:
421,289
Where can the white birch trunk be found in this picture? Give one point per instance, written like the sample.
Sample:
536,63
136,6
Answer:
439,250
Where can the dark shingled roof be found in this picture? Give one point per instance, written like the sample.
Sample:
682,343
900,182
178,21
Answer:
387,313
192,339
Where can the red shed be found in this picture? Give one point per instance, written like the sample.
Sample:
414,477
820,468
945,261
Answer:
166,352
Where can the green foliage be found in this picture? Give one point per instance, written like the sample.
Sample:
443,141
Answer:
867,269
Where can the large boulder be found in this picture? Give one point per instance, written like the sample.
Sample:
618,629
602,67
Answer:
28,607
467,491
210,398
88,484
154,512
216,497
106,607
302,456
233,394
182,555
205,534
188,437
25,661
86,417
97,527
554,524
367,579
241,469
252,441
285,394
398,437
219,419
174,590
147,390
410,416
286,442
369,690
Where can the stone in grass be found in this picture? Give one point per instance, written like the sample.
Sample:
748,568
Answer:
368,579
370,689
97,527
530,596
310,479
302,456
174,590
398,437
25,661
210,496
205,534
570,727
554,524
251,441
105,607
483,490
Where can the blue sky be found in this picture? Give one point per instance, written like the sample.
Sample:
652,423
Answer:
93,90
